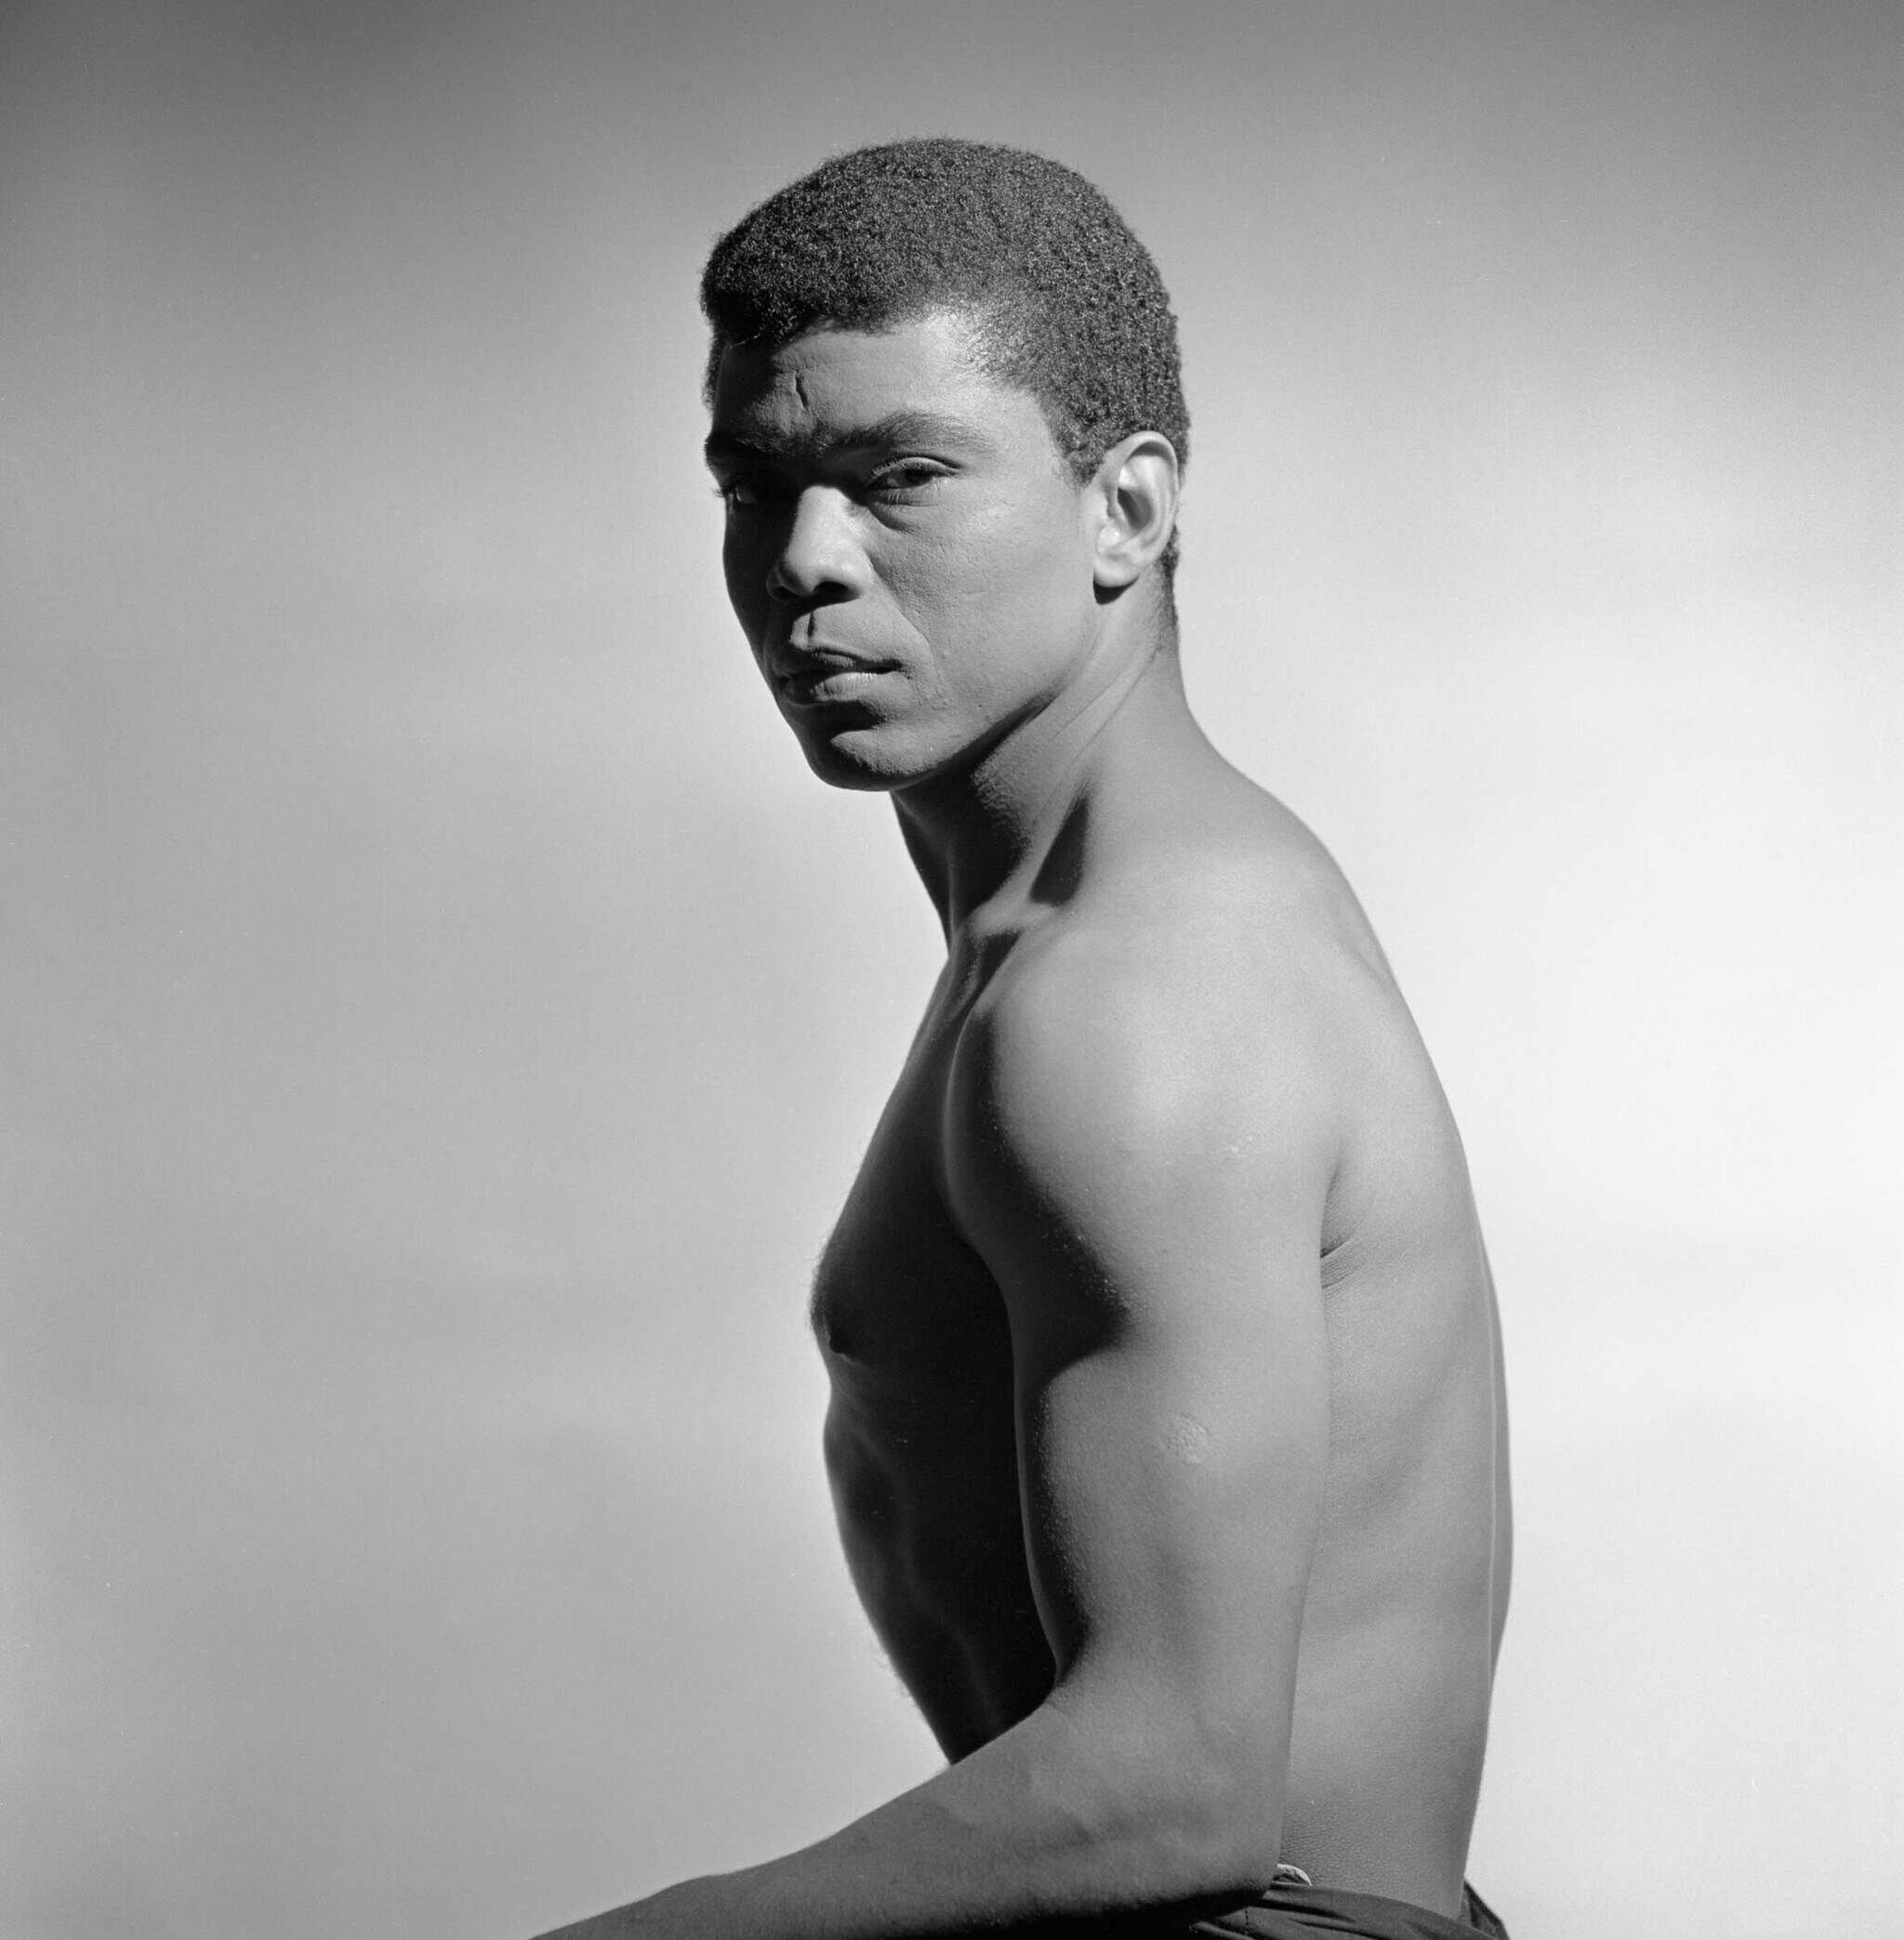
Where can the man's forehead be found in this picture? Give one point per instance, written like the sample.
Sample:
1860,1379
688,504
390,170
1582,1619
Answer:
830,380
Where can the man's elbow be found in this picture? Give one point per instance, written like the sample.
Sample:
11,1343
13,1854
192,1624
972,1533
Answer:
1196,1818
1228,1830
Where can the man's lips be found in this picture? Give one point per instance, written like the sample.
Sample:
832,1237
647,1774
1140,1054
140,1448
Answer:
820,676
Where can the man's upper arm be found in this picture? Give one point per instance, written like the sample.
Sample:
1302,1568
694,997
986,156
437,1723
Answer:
1142,1161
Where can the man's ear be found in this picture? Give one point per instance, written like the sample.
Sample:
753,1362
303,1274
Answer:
1135,493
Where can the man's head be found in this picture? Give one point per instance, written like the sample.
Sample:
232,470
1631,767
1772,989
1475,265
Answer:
946,421
1061,298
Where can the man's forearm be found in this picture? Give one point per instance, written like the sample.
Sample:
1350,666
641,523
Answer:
1059,1820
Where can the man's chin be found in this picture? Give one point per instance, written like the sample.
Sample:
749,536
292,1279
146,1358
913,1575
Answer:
863,759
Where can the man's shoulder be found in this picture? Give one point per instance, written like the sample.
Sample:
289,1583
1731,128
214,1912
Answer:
1203,990
1236,937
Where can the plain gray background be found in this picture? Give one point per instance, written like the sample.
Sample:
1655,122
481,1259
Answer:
443,1014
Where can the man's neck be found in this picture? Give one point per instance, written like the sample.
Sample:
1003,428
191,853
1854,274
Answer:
989,830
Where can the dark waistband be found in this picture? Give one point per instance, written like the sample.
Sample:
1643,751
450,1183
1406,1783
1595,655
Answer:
1289,1911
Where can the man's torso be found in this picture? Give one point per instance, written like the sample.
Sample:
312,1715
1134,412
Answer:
1408,1578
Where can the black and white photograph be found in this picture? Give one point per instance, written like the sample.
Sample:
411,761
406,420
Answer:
949,970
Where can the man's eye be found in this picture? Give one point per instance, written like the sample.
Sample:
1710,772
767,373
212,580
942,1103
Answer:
911,475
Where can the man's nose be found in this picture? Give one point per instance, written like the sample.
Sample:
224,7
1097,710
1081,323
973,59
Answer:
820,551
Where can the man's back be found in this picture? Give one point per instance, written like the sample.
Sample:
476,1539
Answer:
1184,933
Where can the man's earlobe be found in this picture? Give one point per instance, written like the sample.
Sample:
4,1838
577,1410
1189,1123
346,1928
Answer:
1138,481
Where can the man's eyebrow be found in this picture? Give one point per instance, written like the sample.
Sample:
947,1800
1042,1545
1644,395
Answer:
913,428
722,447
898,428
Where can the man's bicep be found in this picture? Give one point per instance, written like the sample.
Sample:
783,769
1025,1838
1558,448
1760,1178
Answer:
1153,1225
1171,1484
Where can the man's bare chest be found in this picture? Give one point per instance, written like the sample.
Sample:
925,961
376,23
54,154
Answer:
920,1439
903,1308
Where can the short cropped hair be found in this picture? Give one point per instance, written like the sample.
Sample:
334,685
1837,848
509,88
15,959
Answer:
1066,302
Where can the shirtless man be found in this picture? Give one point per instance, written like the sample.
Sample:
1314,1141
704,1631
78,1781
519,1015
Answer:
1167,1431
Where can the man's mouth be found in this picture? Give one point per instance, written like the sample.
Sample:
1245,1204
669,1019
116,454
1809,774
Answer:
828,686
820,677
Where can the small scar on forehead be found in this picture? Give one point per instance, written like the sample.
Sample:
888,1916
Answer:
1186,1438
